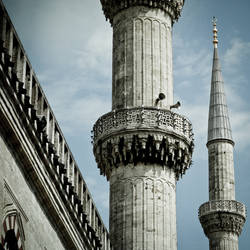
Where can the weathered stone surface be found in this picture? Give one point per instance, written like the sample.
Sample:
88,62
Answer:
143,207
18,194
142,58
221,171
223,241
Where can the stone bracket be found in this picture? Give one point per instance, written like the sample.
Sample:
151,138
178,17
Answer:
143,147
112,7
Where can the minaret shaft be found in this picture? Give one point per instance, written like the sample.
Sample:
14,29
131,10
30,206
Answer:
142,146
223,241
221,171
222,218
142,198
142,58
143,207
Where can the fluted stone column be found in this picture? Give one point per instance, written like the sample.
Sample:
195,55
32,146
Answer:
142,57
141,146
143,207
221,171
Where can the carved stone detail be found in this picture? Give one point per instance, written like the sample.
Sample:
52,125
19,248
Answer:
134,119
146,135
222,216
112,7
230,206
160,148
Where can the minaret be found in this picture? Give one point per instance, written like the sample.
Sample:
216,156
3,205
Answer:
141,146
222,218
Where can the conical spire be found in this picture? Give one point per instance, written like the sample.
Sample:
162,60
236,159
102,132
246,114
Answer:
218,122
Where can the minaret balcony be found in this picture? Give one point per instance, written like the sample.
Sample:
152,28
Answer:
143,134
222,216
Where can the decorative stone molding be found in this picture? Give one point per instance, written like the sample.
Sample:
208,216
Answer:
222,216
230,206
143,135
112,7
150,119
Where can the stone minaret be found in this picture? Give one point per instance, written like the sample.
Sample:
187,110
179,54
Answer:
222,218
141,146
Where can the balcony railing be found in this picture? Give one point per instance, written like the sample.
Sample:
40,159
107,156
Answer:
142,118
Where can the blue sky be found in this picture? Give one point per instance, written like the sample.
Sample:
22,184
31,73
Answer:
69,44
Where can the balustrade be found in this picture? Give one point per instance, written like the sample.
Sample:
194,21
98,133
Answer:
17,68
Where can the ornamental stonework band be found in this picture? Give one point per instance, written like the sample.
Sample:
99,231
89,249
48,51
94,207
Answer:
112,7
222,216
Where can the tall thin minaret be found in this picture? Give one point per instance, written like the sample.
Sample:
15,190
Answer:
222,218
142,146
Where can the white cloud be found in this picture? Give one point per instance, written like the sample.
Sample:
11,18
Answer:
75,109
236,53
95,55
190,60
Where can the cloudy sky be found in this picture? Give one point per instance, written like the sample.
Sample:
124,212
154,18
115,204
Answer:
69,45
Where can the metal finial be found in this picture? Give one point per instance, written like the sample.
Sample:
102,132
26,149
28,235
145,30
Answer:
214,20
215,31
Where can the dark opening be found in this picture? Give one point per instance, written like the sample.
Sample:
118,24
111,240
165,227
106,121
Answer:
10,241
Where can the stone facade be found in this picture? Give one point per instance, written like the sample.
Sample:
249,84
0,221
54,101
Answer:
20,197
142,146
44,200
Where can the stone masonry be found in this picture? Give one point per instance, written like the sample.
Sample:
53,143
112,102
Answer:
142,146
44,201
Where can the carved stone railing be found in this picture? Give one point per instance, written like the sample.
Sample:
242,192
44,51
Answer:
112,7
222,205
142,119
143,134
222,216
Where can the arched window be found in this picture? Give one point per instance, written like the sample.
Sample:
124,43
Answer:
11,236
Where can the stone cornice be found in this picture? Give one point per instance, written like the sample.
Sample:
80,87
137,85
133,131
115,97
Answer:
22,91
222,216
112,7
146,147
